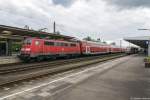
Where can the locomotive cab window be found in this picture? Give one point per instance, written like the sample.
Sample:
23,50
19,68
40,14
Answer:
27,41
64,44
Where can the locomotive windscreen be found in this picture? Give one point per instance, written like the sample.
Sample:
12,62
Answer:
27,41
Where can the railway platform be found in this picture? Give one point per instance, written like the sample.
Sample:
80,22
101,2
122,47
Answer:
8,60
124,78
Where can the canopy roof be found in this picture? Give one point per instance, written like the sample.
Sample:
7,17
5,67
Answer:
139,41
15,31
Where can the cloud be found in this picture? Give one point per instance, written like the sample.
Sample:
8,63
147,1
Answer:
79,18
64,3
125,4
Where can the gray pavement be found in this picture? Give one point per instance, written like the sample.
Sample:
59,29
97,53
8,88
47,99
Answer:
128,81
121,79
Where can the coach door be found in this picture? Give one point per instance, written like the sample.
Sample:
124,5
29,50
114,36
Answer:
87,50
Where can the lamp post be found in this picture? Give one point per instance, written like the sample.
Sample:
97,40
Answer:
120,43
147,42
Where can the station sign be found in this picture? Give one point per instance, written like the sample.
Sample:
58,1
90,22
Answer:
147,42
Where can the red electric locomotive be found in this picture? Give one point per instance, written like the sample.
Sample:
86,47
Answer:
44,48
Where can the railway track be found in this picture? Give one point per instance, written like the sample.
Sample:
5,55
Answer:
11,74
23,66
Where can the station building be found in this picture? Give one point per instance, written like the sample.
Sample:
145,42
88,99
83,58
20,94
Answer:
11,38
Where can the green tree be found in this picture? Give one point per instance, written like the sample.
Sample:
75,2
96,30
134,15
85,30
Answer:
88,38
98,39
113,43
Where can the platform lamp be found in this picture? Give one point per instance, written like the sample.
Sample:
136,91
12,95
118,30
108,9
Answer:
144,29
147,42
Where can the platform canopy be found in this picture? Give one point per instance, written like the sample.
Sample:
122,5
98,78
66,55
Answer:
6,31
141,41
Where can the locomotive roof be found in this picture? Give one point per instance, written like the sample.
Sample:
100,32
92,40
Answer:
96,42
56,40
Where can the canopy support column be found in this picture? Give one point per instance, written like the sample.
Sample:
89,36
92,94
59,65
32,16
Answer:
148,48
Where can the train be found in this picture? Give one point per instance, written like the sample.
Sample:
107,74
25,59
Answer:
132,50
39,49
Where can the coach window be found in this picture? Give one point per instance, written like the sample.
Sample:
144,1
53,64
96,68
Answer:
62,44
65,44
49,43
73,45
37,42
57,44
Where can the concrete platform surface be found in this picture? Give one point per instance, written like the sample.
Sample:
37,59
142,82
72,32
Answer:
9,60
128,81
122,79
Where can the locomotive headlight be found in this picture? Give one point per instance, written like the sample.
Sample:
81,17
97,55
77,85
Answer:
22,49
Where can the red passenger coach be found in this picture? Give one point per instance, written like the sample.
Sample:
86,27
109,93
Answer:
116,49
94,48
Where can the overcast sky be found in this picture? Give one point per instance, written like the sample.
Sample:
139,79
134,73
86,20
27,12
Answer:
107,19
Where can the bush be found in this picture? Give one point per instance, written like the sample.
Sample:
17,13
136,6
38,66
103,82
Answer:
16,47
